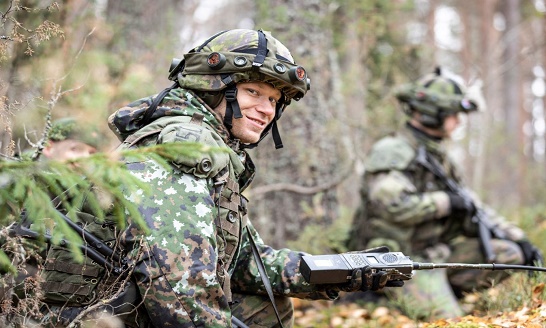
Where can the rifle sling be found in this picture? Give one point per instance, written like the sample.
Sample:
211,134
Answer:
263,274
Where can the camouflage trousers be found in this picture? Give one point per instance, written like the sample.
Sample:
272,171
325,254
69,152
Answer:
434,294
252,310
257,311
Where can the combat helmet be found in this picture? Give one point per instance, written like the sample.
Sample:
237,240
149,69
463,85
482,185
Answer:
435,96
68,128
228,57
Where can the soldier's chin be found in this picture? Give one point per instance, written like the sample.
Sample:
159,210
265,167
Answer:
249,138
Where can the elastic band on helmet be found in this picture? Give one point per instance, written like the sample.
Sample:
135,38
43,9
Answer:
204,44
254,51
262,50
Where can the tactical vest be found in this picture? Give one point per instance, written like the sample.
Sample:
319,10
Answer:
72,284
67,282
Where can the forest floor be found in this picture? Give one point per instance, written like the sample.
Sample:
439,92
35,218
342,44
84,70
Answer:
318,314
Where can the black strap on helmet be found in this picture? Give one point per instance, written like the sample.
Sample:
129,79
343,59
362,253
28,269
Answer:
232,106
262,50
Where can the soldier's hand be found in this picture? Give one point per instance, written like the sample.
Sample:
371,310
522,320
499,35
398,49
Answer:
460,205
363,279
533,255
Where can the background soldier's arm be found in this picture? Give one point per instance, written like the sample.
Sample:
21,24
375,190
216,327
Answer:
394,197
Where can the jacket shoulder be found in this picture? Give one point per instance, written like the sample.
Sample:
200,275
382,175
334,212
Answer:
203,164
390,153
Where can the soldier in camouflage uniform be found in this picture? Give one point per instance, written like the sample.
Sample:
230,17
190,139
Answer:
409,209
66,141
195,267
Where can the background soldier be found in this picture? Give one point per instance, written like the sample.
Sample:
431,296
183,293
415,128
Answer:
410,209
196,268
68,140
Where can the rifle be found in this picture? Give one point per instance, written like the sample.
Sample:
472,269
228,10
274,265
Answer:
486,229
338,268
96,250
93,247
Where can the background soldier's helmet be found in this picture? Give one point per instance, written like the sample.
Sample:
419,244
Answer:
434,96
240,55
68,128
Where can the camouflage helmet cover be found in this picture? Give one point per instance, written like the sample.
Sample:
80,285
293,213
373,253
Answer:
68,128
434,93
230,57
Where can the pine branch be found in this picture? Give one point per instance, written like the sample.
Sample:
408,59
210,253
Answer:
102,180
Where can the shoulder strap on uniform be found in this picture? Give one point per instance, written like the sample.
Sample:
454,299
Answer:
263,274
150,111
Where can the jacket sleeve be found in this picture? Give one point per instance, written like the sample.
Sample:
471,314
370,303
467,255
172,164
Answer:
393,196
175,263
282,267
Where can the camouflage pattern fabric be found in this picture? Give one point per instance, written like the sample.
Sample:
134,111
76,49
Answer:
68,128
406,207
198,252
257,311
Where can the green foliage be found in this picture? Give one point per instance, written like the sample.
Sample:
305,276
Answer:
533,221
26,25
522,289
102,181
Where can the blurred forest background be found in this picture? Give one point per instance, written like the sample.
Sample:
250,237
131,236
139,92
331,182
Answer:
85,59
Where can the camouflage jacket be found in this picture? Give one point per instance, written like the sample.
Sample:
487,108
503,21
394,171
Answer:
404,205
198,251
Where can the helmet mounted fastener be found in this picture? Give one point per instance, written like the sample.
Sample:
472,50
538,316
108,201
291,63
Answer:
174,63
216,60
297,74
177,65
279,68
240,61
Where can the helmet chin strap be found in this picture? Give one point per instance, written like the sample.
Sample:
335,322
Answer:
232,106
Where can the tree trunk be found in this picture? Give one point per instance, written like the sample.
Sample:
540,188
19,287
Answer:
311,153
512,102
